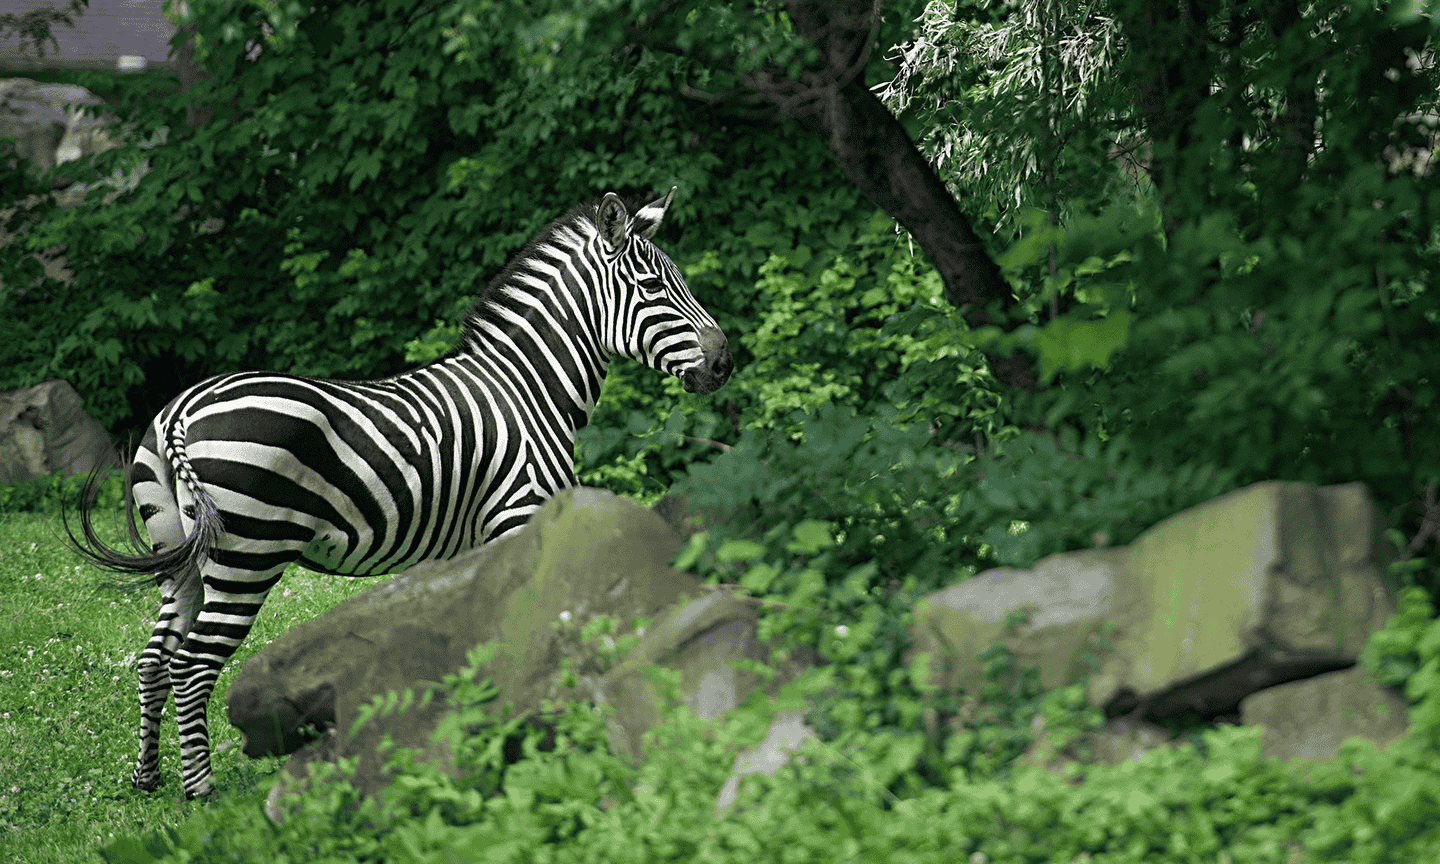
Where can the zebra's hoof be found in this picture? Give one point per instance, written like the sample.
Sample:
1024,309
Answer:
145,785
202,792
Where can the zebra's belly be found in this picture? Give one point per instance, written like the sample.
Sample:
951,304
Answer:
329,551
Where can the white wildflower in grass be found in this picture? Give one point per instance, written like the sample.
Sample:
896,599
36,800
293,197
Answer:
565,616
842,631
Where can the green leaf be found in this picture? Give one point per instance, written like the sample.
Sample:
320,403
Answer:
810,537
1071,345
692,551
758,577
731,551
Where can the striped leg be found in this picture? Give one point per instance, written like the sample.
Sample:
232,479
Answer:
179,604
224,621
177,614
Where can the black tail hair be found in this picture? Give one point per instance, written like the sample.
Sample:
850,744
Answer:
150,566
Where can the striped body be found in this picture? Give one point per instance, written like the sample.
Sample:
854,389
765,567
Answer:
245,473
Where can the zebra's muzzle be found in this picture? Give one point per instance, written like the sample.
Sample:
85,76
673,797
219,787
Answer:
714,370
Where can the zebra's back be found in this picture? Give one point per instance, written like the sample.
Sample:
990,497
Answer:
359,477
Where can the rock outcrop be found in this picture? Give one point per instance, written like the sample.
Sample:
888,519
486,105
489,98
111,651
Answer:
1211,613
585,553
44,430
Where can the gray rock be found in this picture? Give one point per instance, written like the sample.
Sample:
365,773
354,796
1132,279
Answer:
1273,583
786,735
44,430
586,552
1310,719
1268,584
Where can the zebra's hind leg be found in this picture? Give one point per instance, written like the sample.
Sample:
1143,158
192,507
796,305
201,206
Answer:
181,595
223,623
180,604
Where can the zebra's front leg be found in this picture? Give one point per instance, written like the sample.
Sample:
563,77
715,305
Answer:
178,607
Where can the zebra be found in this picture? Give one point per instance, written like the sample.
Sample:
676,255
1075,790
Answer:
244,473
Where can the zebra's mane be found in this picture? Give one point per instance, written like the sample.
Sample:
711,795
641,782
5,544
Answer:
580,220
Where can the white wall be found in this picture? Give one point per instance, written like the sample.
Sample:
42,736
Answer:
109,29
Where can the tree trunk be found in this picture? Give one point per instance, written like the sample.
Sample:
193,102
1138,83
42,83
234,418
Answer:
876,154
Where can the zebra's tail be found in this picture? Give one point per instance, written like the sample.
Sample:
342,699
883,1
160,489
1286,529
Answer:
151,565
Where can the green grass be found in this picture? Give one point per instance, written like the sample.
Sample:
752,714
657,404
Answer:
69,637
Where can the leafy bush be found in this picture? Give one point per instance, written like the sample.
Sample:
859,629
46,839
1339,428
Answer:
48,493
929,510
359,210
1406,652
859,794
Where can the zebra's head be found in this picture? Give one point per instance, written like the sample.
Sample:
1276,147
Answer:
658,320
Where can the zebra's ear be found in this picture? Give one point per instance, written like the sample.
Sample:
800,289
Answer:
612,220
647,221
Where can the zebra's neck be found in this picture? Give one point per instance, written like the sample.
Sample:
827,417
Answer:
540,321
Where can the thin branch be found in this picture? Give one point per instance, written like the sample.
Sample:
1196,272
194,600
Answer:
721,445
739,594
1429,520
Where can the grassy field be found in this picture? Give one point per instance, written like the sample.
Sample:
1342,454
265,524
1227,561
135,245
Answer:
69,637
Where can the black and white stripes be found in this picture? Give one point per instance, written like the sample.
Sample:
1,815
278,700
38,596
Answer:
245,473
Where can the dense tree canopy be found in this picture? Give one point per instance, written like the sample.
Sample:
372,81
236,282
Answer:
1001,279
1201,231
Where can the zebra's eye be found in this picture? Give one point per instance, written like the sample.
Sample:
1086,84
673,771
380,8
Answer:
652,286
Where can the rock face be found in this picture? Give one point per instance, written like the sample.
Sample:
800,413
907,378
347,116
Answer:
1268,584
586,553
47,121
44,430
1310,719
1211,612
50,129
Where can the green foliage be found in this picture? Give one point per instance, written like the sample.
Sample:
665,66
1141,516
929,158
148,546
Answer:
1392,654
820,340
1407,653
1234,273
47,493
1018,104
569,800
364,193
913,505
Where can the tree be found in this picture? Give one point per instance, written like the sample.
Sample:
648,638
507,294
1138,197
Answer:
1271,256
811,62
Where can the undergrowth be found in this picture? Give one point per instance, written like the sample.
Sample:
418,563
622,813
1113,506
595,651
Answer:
69,638
877,783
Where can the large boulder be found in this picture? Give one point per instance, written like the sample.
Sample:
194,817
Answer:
586,553
1212,612
1268,584
1310,719
44,430
49,122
